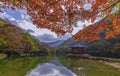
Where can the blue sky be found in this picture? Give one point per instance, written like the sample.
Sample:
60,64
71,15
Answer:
20,18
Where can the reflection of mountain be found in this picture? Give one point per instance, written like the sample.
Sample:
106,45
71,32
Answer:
56,43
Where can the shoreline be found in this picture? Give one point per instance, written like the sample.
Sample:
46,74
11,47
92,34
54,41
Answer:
114,64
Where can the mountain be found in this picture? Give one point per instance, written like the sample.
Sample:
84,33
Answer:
68,42
21,19
52,41
72,41
15,39
56,43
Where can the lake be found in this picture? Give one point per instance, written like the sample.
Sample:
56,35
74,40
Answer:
55,66
64,66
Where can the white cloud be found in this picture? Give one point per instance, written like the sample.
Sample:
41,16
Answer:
48,38
21,19
63,8
80,26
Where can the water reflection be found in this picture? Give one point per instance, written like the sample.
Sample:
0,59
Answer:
51,68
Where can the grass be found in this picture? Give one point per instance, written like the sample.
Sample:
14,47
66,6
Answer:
19,66
2,23
92,68
2,56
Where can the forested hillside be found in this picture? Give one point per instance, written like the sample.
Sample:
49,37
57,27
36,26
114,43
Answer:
102,47
13,39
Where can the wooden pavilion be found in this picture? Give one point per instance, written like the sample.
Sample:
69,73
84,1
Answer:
77,49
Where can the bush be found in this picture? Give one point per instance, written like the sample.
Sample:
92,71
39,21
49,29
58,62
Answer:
116,51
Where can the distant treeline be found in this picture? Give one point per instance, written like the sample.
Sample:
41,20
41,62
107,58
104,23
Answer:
101,48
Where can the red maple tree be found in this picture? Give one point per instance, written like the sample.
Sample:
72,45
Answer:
61,16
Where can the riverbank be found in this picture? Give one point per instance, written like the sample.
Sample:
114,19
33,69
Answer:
114,64
87,67
108,61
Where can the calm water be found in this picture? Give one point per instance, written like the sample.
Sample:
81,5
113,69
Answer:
64,66
51,68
